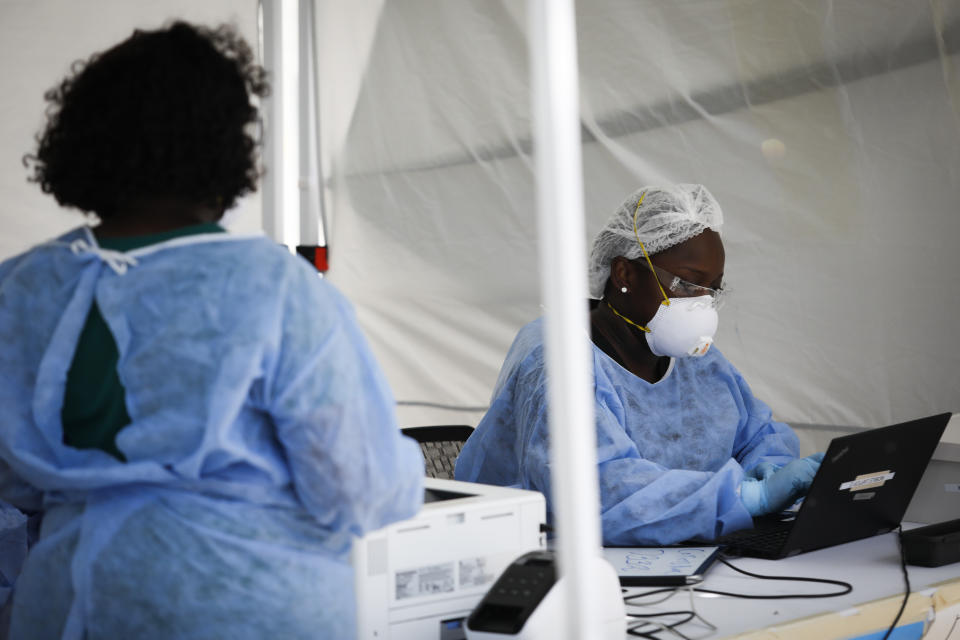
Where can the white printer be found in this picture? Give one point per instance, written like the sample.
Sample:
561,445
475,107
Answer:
419,579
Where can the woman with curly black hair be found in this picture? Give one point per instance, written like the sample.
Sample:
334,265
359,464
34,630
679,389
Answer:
195,413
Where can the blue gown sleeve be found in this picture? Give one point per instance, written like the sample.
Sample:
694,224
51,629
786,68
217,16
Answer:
351,467
761,438
642,502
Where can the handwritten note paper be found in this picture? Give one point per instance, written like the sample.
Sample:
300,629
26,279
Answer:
658,561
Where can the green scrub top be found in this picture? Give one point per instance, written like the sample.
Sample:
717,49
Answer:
94,404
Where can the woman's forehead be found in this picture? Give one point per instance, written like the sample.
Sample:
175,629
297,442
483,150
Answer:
703,252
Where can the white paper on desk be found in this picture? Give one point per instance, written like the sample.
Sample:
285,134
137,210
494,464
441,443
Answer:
659,561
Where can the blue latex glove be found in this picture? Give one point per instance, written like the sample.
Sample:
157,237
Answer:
763,470
780,488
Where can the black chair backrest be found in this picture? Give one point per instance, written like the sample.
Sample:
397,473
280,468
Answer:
440,445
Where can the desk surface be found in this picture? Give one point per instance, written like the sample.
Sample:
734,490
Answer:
872,566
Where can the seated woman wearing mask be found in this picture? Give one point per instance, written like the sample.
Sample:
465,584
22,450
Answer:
196,413
684,449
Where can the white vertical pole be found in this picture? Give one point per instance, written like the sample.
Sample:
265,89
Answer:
281,137
563,266
312,228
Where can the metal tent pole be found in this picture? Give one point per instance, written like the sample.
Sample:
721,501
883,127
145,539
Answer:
312,218
281,135
573,458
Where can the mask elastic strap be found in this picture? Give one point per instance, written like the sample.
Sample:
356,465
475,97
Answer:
627,320
636,232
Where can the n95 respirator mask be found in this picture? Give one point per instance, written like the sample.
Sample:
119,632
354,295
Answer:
683,328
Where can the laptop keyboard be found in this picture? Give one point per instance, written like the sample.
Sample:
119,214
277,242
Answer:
765,542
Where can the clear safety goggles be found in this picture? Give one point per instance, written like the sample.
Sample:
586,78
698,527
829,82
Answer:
677,286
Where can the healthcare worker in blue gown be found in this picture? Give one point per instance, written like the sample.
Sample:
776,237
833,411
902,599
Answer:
195,413
684,448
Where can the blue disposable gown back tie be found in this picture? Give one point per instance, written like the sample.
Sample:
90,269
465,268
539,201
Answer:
262,439
671,455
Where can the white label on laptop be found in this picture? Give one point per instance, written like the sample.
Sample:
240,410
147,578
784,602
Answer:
868,481
951,488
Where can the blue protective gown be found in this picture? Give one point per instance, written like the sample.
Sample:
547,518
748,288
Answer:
262,438
671,454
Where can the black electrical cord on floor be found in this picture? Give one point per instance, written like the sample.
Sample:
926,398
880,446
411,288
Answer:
906,580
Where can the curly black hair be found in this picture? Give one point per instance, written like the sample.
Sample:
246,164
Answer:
164,114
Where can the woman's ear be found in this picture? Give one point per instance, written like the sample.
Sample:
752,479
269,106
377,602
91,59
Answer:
620,273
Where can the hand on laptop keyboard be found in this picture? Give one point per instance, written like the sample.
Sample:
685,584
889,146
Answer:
763,470
780,488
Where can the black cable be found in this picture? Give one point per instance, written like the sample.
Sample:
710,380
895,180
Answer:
690,615
906,580
847,587
627,599
633,631
649,635
952,627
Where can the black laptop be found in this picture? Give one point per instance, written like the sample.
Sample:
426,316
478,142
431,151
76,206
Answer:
862,489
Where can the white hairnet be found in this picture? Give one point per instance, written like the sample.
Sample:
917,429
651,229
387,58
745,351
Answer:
667,217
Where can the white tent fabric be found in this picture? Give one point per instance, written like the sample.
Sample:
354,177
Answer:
829,131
